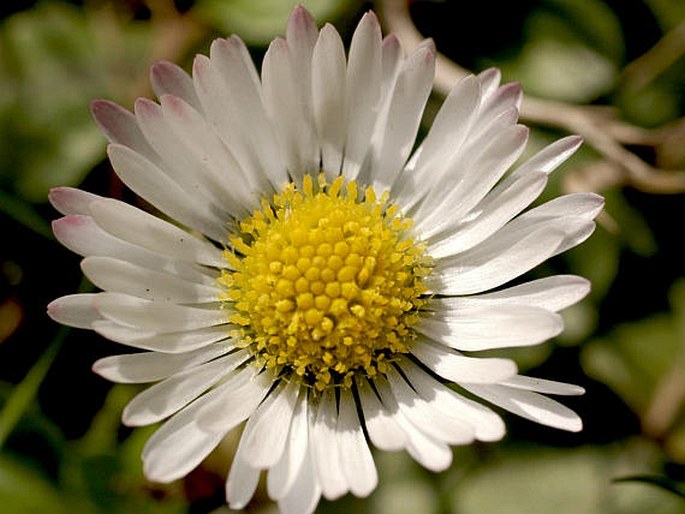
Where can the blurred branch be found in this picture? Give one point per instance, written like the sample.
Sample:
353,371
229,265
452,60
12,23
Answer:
658,59
599,126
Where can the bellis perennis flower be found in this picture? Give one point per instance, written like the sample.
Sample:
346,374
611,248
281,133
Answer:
315,277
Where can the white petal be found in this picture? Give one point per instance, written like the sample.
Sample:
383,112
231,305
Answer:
242,480
229,184
487,424
493,263
120,127
409,96
483,327
75,310
287,91
218,105
119,276
83,236
572,214
487,127
355,457
155,316
499,206
148,231
173,342
305,492
550,157
552,293
363,87
69,200
235,400
177,161
431,453
285,472
540,385
582,205
325,449
427,419
152,184
172,394
301,35
292,114
489,80
168,79
477,174
444,139
266,433
328,94
529,405
451,126
242,104
575,237
459,368
384,431
505,98
392,56
137,368
179,445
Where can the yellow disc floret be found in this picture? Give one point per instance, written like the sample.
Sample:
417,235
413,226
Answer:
326,282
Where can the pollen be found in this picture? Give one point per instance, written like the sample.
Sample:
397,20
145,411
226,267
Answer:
326,281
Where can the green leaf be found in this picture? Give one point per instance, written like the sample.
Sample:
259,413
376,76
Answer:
23,490
257,22
105,471
591,21
634,357
572,51
668,12
542,481
597,259
660,481
650,106
633,230
22,212
641,362
676,297
24,394
54,59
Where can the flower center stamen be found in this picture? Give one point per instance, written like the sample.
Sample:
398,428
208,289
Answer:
326,282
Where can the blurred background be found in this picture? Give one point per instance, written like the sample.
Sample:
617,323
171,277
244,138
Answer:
613,70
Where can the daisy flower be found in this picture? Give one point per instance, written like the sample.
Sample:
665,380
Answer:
312,271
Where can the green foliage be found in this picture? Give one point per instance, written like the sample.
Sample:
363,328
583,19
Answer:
668,12
24,490
53,61
571,52
540,481
635,357
656,480
259,21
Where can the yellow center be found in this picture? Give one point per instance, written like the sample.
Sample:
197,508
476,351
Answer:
326,282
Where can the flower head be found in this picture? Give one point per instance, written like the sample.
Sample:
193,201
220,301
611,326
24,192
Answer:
312,275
